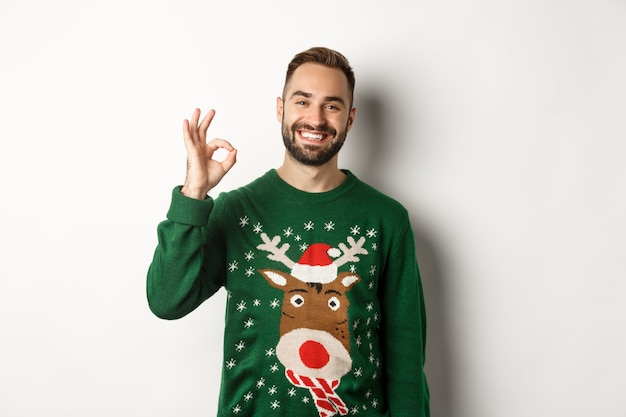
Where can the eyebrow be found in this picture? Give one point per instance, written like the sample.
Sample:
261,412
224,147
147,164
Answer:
301,93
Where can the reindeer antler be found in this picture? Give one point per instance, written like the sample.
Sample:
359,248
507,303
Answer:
349,254
276,253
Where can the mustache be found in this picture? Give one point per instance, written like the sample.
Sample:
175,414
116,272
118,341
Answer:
320,128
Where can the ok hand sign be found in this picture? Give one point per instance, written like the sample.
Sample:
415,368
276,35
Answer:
204,172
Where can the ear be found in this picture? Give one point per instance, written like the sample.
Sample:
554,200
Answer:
279,109
276,278
348,279
351,118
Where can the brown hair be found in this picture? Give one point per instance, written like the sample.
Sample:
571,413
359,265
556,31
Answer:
322,56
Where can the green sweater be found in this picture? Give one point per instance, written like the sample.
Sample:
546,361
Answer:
325,313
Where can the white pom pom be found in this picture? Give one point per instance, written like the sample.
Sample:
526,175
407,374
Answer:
334,252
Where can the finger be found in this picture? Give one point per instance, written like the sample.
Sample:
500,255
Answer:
230,160
217,143
204,125
193,125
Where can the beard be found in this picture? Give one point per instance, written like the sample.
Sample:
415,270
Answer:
313,155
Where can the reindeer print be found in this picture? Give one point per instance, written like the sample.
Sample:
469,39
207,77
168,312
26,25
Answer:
314,335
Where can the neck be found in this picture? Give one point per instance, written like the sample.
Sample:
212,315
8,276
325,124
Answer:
312,179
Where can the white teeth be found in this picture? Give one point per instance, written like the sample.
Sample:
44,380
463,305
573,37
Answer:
312,136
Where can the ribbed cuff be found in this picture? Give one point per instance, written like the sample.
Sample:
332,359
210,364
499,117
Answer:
186,210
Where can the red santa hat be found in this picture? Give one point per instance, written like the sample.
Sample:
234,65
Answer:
315,264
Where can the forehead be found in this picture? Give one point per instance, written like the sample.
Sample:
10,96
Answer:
318,80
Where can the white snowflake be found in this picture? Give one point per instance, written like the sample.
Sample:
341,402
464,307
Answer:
269,352
275,404
355,410
358,341
233,266
308,226
258,228
236,409
374,246
358,372
256,302
356,324
248,323
231,363
249,395
240,346
288,231
292,392
249,255
244,221
374,403
303,247
249,272
371,346
372,358
369,334
368,393
241,306
373,270
375,316
371,285
370,306
371,233
297,238
355,230
305,400
272,390
274,368
353,268
275,303
260,383
368,321
329,226
374,376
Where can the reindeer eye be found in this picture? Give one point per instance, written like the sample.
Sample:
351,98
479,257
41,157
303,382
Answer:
297,300
334,303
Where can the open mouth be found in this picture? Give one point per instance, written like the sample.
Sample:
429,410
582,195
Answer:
312,136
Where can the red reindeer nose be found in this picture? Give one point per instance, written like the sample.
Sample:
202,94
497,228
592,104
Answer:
313,354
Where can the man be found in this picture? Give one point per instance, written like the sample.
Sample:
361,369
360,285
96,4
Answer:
325,313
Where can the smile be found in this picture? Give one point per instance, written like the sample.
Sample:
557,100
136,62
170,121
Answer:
317,137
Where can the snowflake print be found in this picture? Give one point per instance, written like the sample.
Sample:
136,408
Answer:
258,228
240,346
371,233
373,270
231,363
233,266
368,321
308,226
374,403
236,409
329,226
374,246
305,400
374,376
272,390
354,410
372,358
274,368
249,395
249,256
244,221
291,392
358,372
355,230
303,247
249,272
369,334
260,383
368,393
356,324
241,306
371,285
269,352
298,238
353,269
288,232
358,341
275,303
370,306
248,323
375,316
256,302
275,404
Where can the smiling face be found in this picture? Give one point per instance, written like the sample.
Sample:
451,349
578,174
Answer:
316,113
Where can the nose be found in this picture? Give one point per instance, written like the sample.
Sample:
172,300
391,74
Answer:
313,354
316,116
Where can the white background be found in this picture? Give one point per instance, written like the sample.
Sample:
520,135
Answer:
500,125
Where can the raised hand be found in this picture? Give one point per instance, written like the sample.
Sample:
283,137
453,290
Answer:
204,172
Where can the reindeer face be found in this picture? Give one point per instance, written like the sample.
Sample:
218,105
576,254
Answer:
314,332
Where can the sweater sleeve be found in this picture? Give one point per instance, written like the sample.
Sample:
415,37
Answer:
404,331
187,267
